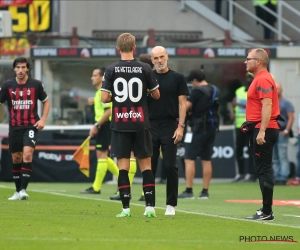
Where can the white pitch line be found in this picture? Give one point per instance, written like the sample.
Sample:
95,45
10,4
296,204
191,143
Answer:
291,215
162,208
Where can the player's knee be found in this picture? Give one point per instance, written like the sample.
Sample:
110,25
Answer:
27,157
16,158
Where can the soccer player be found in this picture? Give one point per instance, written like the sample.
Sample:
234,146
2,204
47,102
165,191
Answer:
126,84
262,109
22,94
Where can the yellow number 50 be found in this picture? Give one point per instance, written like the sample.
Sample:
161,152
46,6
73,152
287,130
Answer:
37,17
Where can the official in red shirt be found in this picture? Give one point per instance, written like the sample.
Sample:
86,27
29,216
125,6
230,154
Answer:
262,107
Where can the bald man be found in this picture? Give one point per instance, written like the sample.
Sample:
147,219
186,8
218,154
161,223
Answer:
167,116
262,109
281,165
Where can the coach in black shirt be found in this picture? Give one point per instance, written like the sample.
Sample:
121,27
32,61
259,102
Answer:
167,116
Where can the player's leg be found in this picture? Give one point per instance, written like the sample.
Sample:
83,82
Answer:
131,174
155,149
143,151
16,149
29,142
120,148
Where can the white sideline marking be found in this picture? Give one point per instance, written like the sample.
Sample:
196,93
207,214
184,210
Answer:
162,208
291,215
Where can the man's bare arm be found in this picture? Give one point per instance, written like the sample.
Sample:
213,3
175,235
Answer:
265,113
265,119
178,134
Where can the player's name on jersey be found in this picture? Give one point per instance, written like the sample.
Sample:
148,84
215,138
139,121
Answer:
128,69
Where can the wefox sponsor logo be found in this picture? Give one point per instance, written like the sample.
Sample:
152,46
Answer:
133,114
129,114
264,238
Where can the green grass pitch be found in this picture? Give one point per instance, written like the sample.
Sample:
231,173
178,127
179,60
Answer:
57,216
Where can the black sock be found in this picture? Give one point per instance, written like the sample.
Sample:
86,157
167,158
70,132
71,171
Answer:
124,188
26,171
267,209
17,175
189,190
204,190
149,188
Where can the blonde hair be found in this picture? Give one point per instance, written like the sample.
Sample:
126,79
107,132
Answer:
126,42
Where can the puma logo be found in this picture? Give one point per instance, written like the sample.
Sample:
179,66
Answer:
33,142
14,92
257,154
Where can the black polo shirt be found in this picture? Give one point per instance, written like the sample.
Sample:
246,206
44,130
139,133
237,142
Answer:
171,85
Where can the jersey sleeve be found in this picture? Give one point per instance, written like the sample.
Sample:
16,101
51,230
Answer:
107,83
42,95
264,88
3,94
182,87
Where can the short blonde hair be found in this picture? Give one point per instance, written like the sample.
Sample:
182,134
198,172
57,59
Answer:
126,42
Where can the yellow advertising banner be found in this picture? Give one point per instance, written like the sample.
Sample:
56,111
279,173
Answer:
33,17
14,46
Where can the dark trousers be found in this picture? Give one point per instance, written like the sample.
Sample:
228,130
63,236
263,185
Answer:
162,132
245,165
263,155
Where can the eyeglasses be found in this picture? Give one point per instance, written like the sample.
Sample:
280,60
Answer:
249,59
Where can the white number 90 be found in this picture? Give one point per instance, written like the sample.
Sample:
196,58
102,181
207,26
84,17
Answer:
126,91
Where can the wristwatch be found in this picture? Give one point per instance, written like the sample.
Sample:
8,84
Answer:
285,131
97,125
181,124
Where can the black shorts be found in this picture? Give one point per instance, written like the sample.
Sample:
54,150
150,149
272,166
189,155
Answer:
140,142
103,137
20,137
201,145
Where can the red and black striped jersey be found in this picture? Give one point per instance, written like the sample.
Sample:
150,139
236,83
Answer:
22,101
128,82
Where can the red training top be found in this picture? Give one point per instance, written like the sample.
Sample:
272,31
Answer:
262,86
